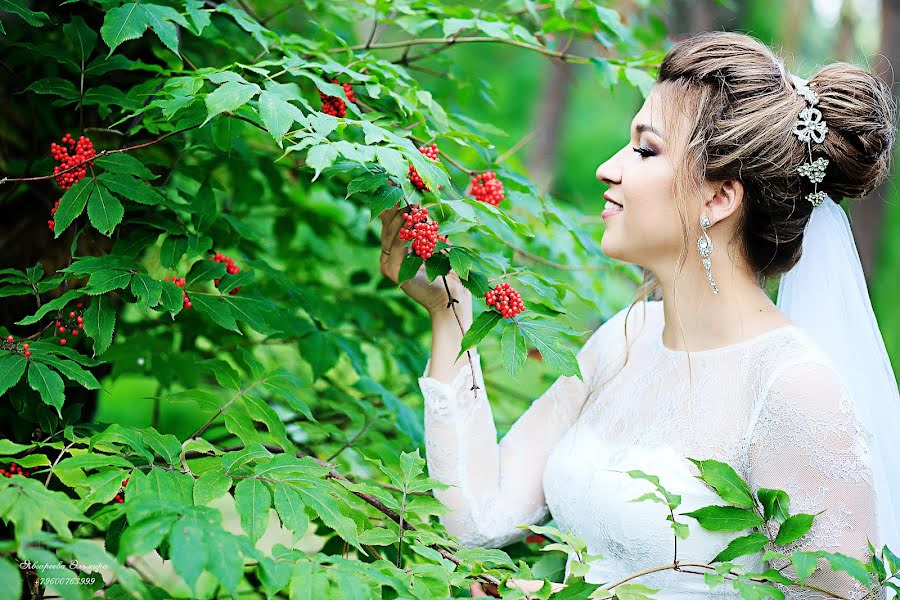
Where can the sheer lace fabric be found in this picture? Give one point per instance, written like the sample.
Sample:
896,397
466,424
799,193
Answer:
771,406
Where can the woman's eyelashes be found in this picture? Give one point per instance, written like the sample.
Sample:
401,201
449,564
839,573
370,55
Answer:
644,152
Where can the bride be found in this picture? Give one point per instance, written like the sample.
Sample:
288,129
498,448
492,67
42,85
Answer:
724,184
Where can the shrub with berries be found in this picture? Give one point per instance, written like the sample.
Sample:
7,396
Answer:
505,299
120,497
180,282
76,152
431,152
72,321
51,223
487,188
335,105
10,344
230,267
13,470
424,235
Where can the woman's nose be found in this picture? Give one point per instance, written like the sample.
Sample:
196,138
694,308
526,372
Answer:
610,172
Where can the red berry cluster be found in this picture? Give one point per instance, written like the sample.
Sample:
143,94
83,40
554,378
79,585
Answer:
180,282
51,223
230,268
74,322
14,469
430,152
535,539
84,150
120,497
423,234
505,299
335,105
10,343
487,188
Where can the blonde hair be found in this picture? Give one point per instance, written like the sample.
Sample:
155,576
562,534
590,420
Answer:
740,106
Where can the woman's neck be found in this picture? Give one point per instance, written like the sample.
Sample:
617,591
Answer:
696,319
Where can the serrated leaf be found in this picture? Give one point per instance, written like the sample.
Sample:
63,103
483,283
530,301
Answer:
409,267
33,18
171,297
100,322
480,328
793,528
277,115
384,198
130,188
291,510
804,564
210,486
126,22
71,205
173,248
53,305
513,349
216,309
83,38
72,370
776,504
253,500
189,547
125,164
105,281
54,86
725,481
320,157
757,591
48,384
205,270
725,518
562,359
12,367
27,503
229,96
742,546
10,577
147,289
104,210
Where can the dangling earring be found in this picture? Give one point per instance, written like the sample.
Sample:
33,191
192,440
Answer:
705,246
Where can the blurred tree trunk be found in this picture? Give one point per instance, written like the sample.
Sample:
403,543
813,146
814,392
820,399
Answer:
548,121
868,213
693,16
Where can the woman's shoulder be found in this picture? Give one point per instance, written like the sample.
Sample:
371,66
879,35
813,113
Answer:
630,322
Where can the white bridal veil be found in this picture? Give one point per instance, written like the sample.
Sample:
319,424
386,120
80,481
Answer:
826,295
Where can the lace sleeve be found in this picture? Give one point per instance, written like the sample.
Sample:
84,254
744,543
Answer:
808,441
495,487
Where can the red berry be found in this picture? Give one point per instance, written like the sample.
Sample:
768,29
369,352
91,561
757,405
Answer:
424,235
74,332
84,150
506,300
27,353
80,319
72,315
487,188
62,329
62,341
25,346
79,305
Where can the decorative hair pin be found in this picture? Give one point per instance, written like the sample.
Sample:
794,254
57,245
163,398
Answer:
809,127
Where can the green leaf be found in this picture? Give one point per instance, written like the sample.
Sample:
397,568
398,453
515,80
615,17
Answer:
100,322
629,591
72,370
125,164
71,205
725,518
727,483
12,367
378,536
210,486
147,289
775,503
173,248
409,267
199,16
742,546
804,564
253,500
640,79
277,115
480,328
54,86
83,38
847,564
513,349
126,22
171,297
189,547
48,384
757,591
27,503
560,358
35,19
216,309
793,528
130,188
205,270
104,210
53,305
229,97
320,157
291,510
10,578
384,198
160,19
106,281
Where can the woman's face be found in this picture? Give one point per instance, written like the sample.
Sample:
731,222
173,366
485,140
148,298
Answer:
646,230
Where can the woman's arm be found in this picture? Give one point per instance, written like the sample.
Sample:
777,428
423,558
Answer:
809,442
497,486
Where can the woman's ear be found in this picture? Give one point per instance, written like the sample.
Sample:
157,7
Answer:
726,199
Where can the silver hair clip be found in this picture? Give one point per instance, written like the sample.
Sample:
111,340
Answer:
809,127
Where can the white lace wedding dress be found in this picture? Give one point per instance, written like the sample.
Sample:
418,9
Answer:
771,406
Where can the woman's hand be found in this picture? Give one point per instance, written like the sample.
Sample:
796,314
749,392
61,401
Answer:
431,295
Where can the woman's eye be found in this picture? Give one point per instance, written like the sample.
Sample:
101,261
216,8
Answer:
644,152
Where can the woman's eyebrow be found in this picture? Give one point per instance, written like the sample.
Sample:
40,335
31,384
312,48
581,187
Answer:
642,127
